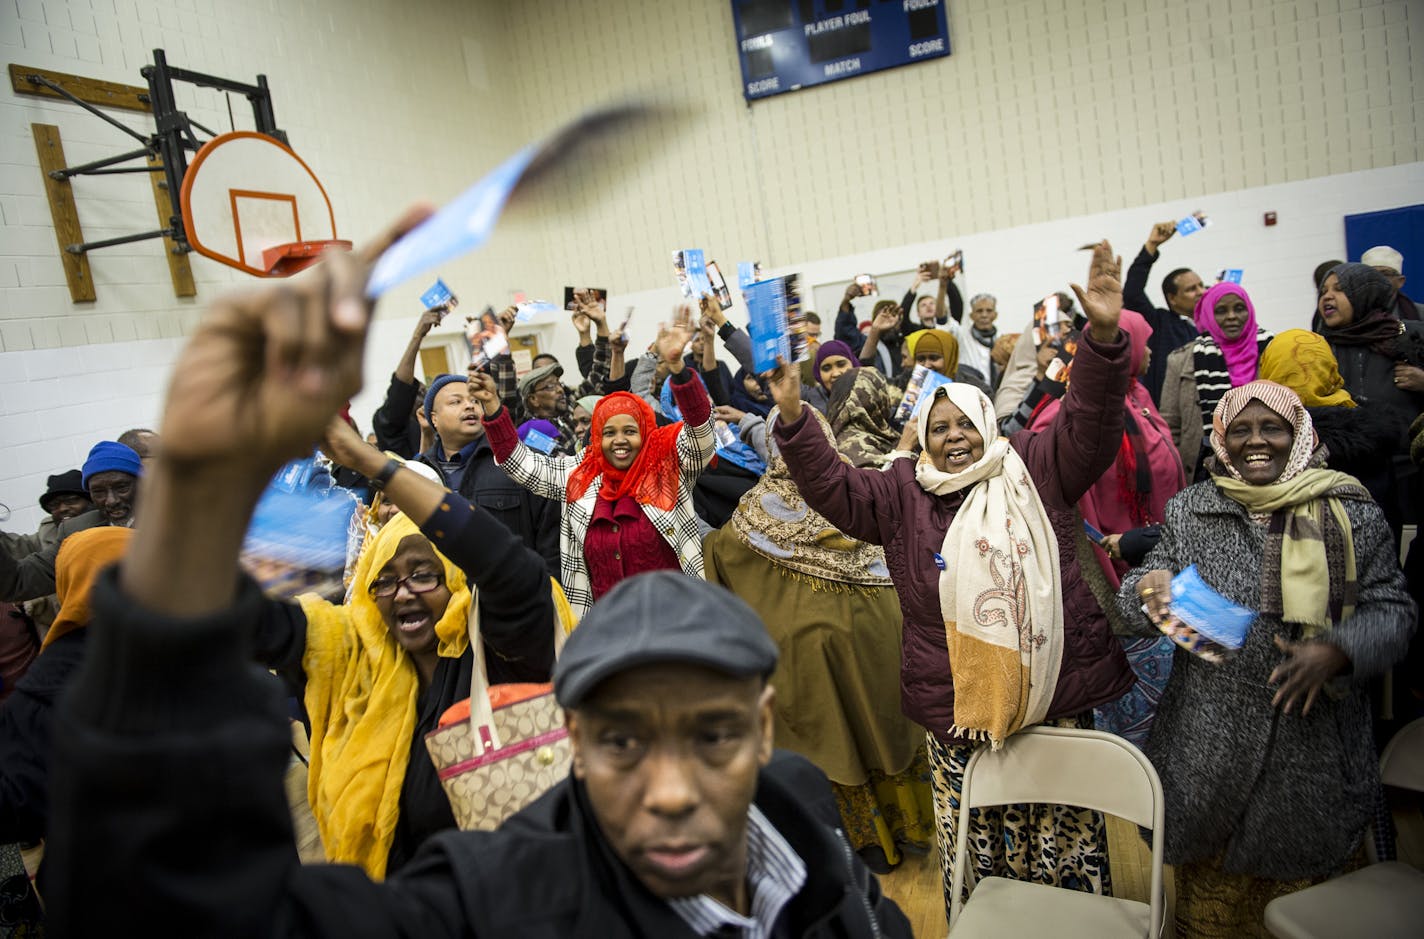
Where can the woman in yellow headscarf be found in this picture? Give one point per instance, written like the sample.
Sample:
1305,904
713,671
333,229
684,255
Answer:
937,350
1358,437
375,674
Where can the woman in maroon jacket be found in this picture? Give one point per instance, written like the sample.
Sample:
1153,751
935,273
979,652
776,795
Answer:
979,536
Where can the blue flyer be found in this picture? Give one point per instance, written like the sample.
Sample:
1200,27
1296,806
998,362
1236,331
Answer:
438,295
690,265
1232,275
540,441
1207,612
777,326
526,311
747,273
1192,224
465,223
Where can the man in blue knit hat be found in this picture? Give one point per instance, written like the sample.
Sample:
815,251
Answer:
110,476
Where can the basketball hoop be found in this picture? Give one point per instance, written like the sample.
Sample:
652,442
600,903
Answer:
251,203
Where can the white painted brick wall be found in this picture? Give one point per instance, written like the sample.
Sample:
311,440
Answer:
1312,109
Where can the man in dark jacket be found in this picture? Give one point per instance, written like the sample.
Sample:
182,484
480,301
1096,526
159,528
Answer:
111,479
465,462
1172,327
667,827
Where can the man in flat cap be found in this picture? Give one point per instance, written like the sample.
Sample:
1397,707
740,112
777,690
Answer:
674,821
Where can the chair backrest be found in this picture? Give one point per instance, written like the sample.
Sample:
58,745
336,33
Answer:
1064,766
1402,763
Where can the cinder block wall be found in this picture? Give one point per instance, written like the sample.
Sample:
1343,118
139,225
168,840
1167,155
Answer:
1051,124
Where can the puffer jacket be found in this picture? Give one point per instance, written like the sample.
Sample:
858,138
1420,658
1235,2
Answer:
1282,796
888,507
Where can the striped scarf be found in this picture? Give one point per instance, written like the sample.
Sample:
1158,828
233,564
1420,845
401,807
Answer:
1212,375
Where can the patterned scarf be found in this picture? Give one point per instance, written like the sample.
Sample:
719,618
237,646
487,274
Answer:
653,477
860,417
1000,593
774,521
1308,571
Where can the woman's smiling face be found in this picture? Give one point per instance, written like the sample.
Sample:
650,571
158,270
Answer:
952,441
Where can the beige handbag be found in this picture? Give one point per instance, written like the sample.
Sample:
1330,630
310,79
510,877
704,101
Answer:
502,748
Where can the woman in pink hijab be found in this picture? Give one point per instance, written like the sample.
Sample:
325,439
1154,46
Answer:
1224,356
1131,496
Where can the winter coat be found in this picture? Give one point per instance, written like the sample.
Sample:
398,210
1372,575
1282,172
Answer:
888,507
1360,441
1281,796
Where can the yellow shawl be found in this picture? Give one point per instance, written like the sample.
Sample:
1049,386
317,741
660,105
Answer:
361,695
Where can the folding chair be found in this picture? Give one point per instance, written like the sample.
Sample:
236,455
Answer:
1381,900
1058,765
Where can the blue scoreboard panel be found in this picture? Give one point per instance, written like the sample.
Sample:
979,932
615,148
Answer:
790,44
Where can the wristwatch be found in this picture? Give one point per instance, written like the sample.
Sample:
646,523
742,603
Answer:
378,482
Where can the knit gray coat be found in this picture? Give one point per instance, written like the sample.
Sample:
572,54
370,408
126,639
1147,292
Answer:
1281,796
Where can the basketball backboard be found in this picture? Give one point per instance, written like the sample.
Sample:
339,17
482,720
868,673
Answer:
251,203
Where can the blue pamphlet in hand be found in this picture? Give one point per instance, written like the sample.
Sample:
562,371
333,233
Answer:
1217,620
777,326
919,389
538,440
1192,223
1232,275
438,295
467,222
1095,536
297,540
747,272
526,311
690,266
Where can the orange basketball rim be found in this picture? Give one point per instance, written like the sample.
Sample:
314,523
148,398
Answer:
251,203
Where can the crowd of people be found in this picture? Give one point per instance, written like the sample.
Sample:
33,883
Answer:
793,607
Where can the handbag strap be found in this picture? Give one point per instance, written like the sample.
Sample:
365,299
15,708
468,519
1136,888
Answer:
482,728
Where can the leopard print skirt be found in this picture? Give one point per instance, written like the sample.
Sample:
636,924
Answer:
1057,845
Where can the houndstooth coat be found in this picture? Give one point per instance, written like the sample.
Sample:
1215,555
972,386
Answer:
549,476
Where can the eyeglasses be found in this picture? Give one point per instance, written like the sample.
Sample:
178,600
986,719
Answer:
547,386
419,582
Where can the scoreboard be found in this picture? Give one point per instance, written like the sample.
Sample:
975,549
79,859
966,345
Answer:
786,45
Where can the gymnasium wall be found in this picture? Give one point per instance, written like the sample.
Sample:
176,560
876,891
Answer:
1050,125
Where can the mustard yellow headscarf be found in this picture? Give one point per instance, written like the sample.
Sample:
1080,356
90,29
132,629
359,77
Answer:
1302,361
935,340
361,697
80,559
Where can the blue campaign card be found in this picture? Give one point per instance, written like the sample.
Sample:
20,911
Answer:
1093,534
437,295
540,441
747,274
1195,603
526,311
1232,275
766,304
1192,224
467,222
690,265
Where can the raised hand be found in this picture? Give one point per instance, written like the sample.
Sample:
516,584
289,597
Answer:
1102,299
589,307
484,390
268,367
886,320
346,448
673,338
784,382
430,319
1160,233
506,317
582,323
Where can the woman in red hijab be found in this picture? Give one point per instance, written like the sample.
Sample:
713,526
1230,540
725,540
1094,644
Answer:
627,498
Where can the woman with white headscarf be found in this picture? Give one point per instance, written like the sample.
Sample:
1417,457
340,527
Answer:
1000,629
